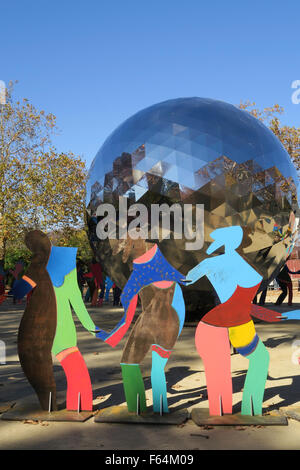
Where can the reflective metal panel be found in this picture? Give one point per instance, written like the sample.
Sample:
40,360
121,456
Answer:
198,151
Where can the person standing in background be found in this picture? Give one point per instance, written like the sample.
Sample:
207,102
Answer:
17,274
117,294
96,270
80,274
2,277
2,281
285,284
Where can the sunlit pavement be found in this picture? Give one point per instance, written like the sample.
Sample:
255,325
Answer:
186,389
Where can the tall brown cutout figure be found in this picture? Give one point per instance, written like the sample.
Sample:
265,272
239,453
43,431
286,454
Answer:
38,324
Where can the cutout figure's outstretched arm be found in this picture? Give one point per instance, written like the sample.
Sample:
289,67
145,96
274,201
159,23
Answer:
264,314
196,273
270,316
293,315
74,295
115,336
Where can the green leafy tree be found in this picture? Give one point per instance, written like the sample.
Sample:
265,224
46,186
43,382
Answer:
288,135
39,187
74,237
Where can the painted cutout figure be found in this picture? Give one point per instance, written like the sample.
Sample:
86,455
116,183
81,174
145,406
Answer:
47,325
158,326
236,284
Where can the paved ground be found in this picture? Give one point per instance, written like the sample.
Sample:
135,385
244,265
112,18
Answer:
186,389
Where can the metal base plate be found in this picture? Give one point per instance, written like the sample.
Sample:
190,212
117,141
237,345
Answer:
291,412
120,414
201,417
24,412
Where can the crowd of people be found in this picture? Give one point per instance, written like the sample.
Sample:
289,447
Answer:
96,286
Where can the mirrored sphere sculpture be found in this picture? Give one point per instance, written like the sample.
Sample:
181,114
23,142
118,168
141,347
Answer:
198,151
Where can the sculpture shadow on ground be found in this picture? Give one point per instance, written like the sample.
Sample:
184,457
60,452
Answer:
289,394
274,342
188,397
191,396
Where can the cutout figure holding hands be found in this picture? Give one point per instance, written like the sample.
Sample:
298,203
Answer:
236,284
47,325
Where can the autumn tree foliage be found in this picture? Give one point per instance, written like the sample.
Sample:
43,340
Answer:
39,187
288,135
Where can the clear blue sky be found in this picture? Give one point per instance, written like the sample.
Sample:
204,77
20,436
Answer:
94,63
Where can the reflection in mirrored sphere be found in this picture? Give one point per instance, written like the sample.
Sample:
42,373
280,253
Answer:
198,151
